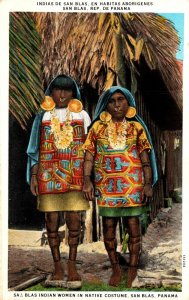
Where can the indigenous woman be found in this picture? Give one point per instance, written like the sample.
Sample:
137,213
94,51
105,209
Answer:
55,168
120,147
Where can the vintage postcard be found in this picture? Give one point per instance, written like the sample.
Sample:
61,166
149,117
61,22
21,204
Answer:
94,149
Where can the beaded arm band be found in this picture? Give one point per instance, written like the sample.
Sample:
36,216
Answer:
146,164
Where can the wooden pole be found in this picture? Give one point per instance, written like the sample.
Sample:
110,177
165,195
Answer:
118,51
28,283
88,225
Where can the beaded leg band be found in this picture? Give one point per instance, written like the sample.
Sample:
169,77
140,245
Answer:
134,249
109,228
54,243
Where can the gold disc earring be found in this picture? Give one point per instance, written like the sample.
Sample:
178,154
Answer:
75,105
131,112
47,103
105,116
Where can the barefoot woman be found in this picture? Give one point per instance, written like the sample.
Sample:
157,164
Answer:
119,146
55,167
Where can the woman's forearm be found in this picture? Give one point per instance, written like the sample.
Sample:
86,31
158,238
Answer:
88,165
146,165
34,169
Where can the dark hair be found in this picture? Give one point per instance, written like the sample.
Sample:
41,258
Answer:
63,82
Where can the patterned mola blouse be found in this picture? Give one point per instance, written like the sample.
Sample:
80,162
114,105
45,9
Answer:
119,179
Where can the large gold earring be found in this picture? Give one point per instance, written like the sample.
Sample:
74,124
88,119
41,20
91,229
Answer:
47,103
105,116
131,112
75,105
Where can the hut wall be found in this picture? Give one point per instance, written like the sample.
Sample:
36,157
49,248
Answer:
173,168
158,142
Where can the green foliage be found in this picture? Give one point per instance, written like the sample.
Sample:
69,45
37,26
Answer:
177,195
144,221
125,237
87,286
25,84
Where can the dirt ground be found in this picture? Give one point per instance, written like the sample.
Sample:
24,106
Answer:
27,259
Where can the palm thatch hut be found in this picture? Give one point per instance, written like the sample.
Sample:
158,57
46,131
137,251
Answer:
135,50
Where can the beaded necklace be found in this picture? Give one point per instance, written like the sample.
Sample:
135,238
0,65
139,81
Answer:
116,134
63,135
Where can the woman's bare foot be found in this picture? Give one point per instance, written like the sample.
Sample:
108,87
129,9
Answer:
72,272
58,273
132,273
116,275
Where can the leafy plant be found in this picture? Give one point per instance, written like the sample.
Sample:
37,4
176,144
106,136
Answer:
25,77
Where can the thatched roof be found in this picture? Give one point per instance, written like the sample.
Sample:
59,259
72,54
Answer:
98,50
81,44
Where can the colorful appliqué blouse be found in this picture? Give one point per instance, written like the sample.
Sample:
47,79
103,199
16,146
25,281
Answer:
119,179
61,170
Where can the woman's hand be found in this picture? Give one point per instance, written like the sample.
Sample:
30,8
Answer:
34,185
148,193
88,189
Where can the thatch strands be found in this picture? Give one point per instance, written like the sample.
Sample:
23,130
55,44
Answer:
95,49
84,46
25,87
75,48
161,43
